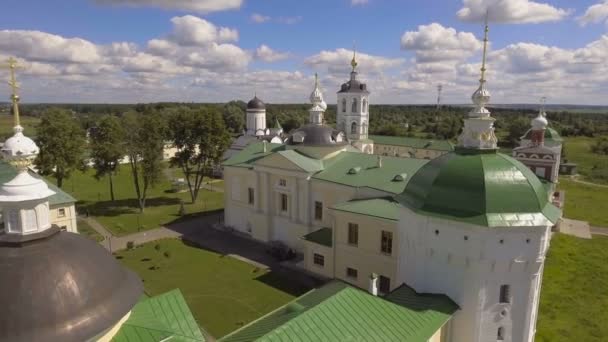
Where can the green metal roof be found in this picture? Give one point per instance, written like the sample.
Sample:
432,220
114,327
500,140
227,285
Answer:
164,317
340,312
251,153
361,170
386,208
550,135
480,187
306,163
418,143
322,236
8,172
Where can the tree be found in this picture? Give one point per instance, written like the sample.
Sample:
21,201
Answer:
62,145
107,148
144,143
601,146
201,138
517,128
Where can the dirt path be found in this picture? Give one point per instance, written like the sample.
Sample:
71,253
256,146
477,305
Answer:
577,180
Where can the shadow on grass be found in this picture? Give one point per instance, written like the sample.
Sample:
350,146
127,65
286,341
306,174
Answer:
123,206
285,282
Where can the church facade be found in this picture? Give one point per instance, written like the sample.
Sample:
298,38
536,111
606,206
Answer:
471,223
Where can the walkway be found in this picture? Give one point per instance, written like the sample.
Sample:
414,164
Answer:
115,243
575,228
577,180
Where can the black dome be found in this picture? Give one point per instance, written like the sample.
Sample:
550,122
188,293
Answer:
61,287
255,103
317,135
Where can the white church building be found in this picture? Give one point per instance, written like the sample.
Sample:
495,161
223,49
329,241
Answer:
472,224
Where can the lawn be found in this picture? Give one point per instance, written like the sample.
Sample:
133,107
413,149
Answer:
578,150
223,293
585,202
574,294
85,229
122,216
7,123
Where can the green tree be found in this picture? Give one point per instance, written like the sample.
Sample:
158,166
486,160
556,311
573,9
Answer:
201,139
234,116
107,148
62,145
601,146
517,128
144,144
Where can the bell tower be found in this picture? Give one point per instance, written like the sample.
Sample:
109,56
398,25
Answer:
352,115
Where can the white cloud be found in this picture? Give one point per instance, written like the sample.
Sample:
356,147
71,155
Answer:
200,6
594,14
190,31
266,54
358,2
259,18
511,11
337,62
289,20
46,47
432,43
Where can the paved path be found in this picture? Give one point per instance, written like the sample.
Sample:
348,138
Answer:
599,230
116,243
575,228
577,180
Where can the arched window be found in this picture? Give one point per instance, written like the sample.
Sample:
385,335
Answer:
354,109
353,128
500,335
343,105
364,106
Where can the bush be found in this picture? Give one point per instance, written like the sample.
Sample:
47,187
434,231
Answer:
157,247
130,244
167,254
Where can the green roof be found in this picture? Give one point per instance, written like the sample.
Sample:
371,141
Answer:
418,143
164,317
361,170
306,163
386,208
340,312
251,153
322,236
8,172
550,135
480,187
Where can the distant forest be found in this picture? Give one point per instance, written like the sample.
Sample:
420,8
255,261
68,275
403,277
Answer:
400,120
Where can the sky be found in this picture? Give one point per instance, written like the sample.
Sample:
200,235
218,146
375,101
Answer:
133,51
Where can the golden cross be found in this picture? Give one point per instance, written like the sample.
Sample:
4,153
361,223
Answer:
353,63
12,65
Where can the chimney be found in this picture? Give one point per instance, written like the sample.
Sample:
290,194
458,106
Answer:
373,284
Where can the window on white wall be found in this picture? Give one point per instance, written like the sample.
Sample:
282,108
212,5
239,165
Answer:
343,105
354,109
505,294
500,335
318,210
282,182
250,196
386,245
284,202
318,259
61,212
353,128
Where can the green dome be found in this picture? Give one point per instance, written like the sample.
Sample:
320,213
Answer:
550,135
479,187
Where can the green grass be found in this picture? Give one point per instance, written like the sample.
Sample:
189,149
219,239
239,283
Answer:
574,294
122,216
585,202
7,123
578,150
222,293
85,229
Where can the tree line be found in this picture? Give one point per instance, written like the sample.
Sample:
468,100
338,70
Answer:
137,138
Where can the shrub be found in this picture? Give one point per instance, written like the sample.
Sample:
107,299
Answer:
130,244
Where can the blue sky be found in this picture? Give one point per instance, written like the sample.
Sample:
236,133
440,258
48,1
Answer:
534,45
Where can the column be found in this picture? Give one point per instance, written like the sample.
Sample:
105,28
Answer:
306,204
268,192
295,201
257,198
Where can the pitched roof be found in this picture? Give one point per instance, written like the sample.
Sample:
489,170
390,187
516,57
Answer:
361,170
386,208
338,311
163,317
419,143
251,153
306,163
322,236
8,172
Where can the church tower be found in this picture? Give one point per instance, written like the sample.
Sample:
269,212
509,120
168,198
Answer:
352,115
256,117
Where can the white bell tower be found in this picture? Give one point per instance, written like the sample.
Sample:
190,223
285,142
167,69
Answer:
352,115
24,199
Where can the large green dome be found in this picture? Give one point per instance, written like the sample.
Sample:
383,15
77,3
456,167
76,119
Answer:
479,187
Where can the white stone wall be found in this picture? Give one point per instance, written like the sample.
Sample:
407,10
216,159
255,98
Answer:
471,272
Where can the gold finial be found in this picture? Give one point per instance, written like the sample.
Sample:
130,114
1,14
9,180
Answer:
12,65
485,51
353,62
